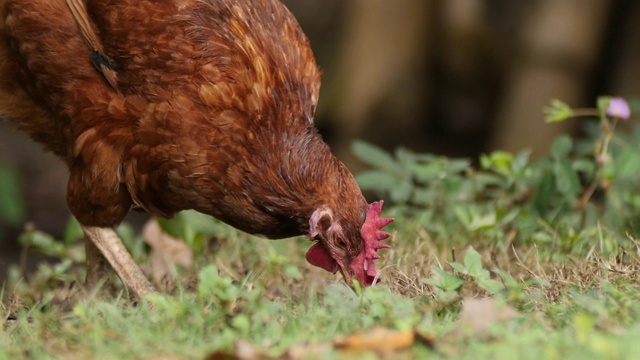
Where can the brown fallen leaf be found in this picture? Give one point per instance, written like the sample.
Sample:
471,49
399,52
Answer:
377,339
166,251
243,351
247,351
306,352
221,355
425,338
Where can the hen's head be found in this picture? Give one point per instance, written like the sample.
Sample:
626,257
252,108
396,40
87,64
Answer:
348,247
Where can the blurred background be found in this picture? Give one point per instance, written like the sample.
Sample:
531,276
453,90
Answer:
452,77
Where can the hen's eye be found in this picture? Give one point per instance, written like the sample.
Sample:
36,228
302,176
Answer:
340,242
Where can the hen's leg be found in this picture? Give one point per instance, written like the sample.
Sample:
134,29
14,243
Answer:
109,244
97,266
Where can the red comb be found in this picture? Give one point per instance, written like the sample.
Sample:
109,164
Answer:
372,235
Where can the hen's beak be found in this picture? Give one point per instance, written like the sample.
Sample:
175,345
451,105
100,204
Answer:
348,277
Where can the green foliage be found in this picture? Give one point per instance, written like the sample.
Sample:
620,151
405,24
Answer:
406,177
557,111
448,286
195,228
471,268
560,202
445,285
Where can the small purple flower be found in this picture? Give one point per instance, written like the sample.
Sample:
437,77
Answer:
618,107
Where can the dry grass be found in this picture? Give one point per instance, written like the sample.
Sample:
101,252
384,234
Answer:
279,267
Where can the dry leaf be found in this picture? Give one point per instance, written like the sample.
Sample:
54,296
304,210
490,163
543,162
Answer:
166,251
244,351
306,352
222,355
426,338
479,315
377,339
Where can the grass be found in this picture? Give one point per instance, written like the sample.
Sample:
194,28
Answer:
582,307
509,260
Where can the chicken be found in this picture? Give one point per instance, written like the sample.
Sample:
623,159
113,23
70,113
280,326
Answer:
183,104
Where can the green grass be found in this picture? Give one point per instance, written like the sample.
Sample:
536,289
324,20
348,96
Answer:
551,243
583,308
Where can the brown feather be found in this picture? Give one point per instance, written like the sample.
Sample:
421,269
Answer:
80,15
213,110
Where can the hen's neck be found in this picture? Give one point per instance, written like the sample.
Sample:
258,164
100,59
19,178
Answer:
301,175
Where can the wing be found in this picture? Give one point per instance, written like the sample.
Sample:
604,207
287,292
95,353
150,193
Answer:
46,67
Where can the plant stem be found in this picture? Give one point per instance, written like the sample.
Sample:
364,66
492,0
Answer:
601,160
586,112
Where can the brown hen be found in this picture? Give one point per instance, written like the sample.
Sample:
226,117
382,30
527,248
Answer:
183,104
